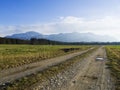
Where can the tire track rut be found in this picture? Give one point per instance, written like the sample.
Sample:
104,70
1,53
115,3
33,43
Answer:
92,75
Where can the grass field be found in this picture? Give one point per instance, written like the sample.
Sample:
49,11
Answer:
17,55
113,53
42,76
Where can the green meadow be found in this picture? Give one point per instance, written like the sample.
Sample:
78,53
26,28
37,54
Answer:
17,55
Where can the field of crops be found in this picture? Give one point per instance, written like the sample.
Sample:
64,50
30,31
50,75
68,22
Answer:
42,76
113,53
17,55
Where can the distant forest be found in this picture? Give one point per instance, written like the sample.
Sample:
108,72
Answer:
35,41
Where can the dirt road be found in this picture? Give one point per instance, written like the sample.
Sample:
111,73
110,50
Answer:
92,75
16,73
88,73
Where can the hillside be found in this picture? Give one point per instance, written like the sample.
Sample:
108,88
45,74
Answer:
65,37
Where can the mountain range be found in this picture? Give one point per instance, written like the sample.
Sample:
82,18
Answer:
64,37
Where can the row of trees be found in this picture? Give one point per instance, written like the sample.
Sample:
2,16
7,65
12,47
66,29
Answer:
35,41
13,41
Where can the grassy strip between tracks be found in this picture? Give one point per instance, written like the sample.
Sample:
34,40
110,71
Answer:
25,82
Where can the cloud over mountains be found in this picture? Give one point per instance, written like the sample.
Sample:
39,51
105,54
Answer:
103,26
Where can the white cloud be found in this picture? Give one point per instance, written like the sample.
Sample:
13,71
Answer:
107,25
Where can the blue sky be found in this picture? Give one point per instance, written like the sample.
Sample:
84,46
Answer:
32,11
53,16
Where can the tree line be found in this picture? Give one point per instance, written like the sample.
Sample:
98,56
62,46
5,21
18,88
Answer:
35,41
32,41
13,41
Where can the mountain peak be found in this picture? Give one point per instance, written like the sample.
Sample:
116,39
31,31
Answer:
65,37
32,32
26,36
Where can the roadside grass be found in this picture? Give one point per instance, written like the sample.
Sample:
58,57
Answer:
42,76
113,54
17,55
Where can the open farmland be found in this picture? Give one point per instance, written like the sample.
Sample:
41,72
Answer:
113,53
59,67
17,55
59,44
45,75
